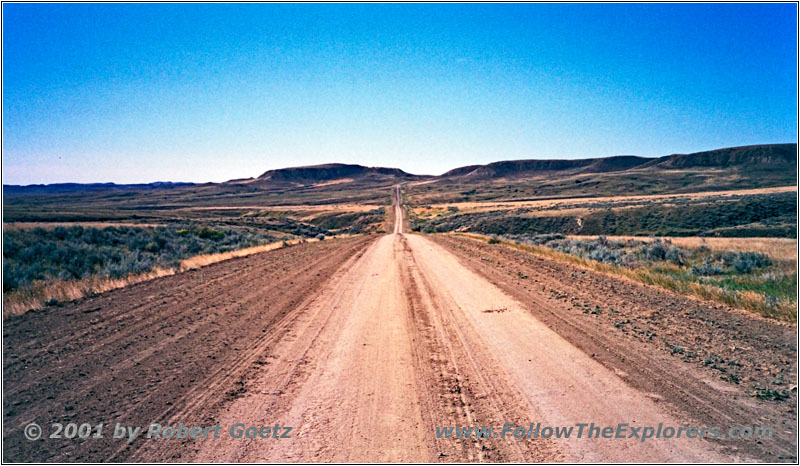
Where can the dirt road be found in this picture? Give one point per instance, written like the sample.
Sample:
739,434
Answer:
363,346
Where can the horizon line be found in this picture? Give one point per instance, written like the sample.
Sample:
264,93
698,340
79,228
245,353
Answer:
146,183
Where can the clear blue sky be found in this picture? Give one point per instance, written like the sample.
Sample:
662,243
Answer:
211,92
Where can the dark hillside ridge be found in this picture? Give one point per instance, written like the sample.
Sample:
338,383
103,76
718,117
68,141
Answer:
330,171
600,165
59,188
461,171
761,157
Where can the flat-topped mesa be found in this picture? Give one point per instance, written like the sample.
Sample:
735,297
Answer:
763,157
526,167
329,171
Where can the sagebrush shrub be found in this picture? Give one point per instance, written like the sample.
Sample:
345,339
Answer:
655,251
69,253
674,256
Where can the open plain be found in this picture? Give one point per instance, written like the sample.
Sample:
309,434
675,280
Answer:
365,345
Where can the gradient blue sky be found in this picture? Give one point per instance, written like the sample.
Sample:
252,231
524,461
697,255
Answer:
211,92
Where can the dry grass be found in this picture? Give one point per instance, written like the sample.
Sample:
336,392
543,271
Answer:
38,295
428,212
554,203
332,182
783,310
782,249
292,207
207,259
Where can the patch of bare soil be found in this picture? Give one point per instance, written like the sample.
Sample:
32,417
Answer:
701,360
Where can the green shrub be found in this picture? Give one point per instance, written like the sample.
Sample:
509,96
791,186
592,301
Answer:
746,262
208,233
69,253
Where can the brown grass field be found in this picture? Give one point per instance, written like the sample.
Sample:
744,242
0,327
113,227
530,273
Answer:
548,204
783,249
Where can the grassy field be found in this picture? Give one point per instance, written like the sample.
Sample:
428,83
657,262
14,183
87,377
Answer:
759,213
736,247
782,249
593,201
44,266
76,252
755,281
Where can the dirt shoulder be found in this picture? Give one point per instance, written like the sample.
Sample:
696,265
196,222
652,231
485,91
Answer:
701,360
174,346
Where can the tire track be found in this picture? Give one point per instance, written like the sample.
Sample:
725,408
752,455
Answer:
461,372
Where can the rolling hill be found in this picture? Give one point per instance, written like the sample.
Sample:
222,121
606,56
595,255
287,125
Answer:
761,157
332,171
747,167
